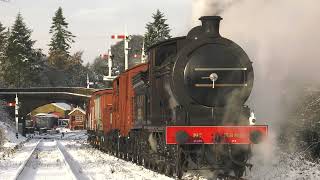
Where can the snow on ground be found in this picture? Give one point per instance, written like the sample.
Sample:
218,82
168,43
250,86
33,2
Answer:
9,165
98,165
284,166
10,135
269,162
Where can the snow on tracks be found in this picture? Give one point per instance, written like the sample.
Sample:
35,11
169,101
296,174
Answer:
100,165
22,166
47,162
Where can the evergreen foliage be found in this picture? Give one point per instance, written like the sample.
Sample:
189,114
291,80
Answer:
77,73
3,40
21,65
135,45
61,41
157,31
99,67
3,45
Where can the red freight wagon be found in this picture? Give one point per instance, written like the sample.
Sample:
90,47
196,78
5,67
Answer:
99,114
123,96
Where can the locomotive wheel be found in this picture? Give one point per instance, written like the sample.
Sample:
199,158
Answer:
135,159
169,170
239,171
161,167
139,160
151,164
145,162
179,163
155,166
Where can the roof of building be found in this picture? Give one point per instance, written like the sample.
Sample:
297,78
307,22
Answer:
46,115
63,106
79,109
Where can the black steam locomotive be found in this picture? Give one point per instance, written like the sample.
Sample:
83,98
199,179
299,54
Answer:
182,110
190,104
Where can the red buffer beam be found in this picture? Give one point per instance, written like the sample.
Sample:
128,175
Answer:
216,134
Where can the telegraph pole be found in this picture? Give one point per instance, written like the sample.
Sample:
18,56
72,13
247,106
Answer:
126,48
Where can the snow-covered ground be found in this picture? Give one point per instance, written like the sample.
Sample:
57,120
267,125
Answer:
10,135
98,165
9,165
89,163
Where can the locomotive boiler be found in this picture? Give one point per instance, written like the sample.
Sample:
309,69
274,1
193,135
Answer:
185,109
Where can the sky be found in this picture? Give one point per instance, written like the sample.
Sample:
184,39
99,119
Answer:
94,21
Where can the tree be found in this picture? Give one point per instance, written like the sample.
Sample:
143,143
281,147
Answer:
61,40
3,45
21,65
100,68
157,30
77,73
3,40
135,45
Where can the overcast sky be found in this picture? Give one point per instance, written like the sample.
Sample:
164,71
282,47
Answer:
93,21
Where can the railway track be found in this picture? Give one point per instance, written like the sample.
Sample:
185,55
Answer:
48,160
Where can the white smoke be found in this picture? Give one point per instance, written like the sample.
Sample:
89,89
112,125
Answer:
209,8
282,39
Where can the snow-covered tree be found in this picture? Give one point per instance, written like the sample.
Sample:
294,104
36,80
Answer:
157,31
21,66
61,41
3,45
3,40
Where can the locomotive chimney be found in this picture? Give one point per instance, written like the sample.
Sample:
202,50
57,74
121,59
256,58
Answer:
210,25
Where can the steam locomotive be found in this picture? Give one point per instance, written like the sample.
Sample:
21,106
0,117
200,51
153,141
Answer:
184,109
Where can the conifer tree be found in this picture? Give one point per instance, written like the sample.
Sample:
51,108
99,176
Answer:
3,43
157,31
3,40
21,64
61,40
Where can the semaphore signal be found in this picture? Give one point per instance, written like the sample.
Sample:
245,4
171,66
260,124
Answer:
126,49
118,36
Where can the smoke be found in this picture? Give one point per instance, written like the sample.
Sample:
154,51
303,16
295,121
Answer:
210,7
282,39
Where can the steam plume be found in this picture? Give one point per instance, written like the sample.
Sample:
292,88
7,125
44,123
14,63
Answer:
282,39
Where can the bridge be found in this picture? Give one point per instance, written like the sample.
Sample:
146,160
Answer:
31,98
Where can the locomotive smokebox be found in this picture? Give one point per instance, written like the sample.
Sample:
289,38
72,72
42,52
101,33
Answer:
210,25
